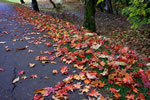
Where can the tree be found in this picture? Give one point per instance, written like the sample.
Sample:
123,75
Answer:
108,6
127,2
138,12
54,5
89,17
22,1
35,5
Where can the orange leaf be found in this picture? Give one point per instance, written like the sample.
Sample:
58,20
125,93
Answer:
101,98
55,71
130,97
102,84
135,90
94,93
85,89
102,63
117,95
128,79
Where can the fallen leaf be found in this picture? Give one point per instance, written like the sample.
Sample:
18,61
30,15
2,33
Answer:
94,93
52,57
78,85
7,48
38,97
2,42
54,98
64,69
89,34
117,95
31,65
30,51
21,72
48,44
102,63
91,74
45,91
96,46
23,77
101,98
68,79
130,97
19,49
85,89
53,62
46,77
1,69
119,63
16,80
124,50
37,58
55,72
102,84
113,90
33,76
128,79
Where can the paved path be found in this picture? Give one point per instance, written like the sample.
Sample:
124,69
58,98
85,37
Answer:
14,61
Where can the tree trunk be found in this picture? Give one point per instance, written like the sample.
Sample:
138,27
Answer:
127,2
108,6
89,17
35,5
22,1
54,5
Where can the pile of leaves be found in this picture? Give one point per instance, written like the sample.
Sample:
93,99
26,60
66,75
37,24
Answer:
103,63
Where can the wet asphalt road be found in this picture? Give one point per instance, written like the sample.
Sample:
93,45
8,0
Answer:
14,61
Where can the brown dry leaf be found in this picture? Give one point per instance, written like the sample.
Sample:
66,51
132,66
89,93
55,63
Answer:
90,76
79,77
77,66
55,71
54,98
53,62
23,77
14,40
68,79
30,51
19,49
105,72
37,58
102,63
85,89
90,98
46,77
1,69
31,65
101,98
16,80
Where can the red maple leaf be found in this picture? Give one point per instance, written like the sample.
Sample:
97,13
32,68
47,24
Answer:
64,69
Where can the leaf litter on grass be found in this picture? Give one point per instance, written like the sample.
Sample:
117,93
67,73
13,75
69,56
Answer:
105,64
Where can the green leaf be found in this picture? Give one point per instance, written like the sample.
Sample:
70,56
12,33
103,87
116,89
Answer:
99,1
